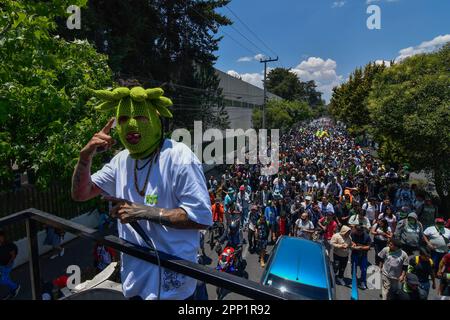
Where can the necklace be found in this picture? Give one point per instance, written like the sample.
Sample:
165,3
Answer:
139,169
142,191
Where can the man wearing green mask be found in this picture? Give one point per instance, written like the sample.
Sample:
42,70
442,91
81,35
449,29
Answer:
437,238
162,186
410,233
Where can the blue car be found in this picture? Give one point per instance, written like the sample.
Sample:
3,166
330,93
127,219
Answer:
301,267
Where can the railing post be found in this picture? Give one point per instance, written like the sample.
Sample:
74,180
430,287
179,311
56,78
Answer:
33,251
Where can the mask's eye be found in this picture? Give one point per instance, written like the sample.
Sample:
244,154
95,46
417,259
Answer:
123,119
141,119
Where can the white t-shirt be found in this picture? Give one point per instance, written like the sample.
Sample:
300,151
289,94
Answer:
176,181
319,185
304,225
438,239
391,221
371,210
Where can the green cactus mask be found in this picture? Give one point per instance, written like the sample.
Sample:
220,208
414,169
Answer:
138,113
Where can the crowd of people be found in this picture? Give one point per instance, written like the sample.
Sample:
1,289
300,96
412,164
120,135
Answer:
327,189
330,189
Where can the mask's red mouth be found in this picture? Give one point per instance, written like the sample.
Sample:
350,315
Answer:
133,138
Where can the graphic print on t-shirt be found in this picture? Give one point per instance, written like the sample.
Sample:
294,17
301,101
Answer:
151,199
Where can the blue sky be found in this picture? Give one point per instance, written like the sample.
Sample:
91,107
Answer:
325,40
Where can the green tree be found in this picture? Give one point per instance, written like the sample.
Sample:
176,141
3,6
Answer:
282,114
283,83
45,113
349,101
410,111
286,84
169,42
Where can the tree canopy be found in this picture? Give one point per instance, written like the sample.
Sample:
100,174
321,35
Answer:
409,107
45,117
170,42
349,101
286,84
406,107
282,114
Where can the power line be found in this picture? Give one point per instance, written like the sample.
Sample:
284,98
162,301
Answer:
248,28
232,38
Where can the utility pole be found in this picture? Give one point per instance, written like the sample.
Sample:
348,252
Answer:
265,61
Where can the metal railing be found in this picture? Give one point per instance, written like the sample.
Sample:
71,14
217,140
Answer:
32,217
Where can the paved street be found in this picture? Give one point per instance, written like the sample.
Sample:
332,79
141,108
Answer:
79,252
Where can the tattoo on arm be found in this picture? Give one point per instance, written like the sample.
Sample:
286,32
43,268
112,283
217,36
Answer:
174,218
81,180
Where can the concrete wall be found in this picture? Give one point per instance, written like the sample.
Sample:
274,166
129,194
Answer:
238,90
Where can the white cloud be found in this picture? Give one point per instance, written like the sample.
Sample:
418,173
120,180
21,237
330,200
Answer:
255,79
323,72
245,59
424,47
386,62
257,57
338,4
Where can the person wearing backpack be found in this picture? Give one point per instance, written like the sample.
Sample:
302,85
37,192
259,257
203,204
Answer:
410,233
372,209
423,267
394,265
437,238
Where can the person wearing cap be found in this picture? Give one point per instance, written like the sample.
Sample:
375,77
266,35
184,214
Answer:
410,233
437,237
307,203
410,290
361,242
423,267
